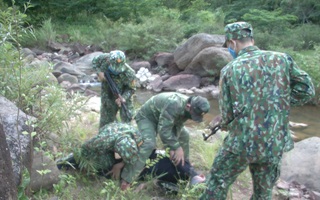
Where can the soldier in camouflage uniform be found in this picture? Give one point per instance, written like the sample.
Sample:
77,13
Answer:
121,138
124,77
165,114
257,89
125,140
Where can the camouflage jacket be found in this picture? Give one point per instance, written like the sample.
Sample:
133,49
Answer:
167,111
256,91
101,148
125,81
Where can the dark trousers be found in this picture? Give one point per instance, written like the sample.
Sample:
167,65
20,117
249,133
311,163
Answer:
165,170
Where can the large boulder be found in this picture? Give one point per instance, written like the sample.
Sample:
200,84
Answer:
209,62
302,164
185,53
20,145
163,59
84,63
181,81
66,68
8,189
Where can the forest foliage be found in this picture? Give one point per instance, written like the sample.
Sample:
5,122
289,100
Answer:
142,28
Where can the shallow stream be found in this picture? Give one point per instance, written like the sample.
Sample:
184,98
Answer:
307,114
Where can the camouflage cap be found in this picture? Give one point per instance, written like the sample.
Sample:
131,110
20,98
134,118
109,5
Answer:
117,56
199,106
237,30
117,61
127,148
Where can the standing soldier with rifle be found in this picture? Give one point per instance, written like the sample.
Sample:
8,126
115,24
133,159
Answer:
257,90
117,86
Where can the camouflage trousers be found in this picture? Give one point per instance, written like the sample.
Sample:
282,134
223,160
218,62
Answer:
226,168
148,131
109,109
100,162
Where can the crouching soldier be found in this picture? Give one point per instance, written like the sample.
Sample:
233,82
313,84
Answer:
164,114
98,153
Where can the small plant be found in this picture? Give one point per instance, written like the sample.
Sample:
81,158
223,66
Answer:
187,191
111,190
65,180
152,162
86,164
42,37
24,184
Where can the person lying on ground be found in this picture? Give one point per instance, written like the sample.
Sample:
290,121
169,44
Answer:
124,139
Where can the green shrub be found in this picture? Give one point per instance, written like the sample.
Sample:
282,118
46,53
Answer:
265,41
41,37
153,34
303,37
204,22
29,86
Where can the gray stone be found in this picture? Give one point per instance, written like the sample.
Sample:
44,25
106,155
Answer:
20,145
185,53
44,172
302,164
68,77
181,81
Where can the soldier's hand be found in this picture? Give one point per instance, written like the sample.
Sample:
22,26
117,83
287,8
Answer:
120,100
101,76
116,170
177,156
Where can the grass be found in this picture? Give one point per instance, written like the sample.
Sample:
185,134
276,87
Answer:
74,184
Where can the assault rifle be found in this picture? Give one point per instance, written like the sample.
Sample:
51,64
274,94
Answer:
213,131
216,125
117,94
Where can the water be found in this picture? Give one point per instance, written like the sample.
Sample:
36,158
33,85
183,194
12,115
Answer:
307,114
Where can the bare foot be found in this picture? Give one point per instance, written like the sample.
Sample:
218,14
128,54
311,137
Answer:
198,179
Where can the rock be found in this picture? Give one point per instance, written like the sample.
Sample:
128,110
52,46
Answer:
64,67
136,66
84,63
181,81
302,164
208,62
93,104
44,172
26,52
156,85
163,59
20,145
68,77
283,185
185,53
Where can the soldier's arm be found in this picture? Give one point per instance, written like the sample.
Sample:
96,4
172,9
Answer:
99,63
184,141
225,104
130,87
166,126
302,88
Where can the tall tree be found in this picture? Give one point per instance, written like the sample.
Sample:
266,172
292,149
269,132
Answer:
268,21
307,11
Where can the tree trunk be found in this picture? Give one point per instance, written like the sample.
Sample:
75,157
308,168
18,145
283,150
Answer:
8,190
